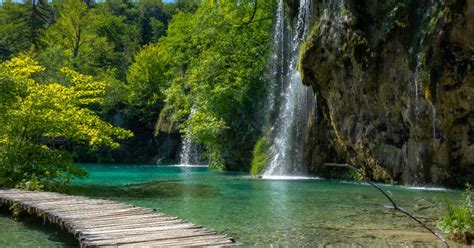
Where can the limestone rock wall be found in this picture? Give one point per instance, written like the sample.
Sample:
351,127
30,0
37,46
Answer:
395,88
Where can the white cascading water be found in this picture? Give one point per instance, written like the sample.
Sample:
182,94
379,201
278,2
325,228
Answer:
286,150
277,70
417,86
189,154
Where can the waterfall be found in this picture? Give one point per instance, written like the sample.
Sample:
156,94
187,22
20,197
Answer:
288,131
433,108
189,153
277,70
434,111
417,85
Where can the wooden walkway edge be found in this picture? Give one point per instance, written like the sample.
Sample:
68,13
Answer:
105,223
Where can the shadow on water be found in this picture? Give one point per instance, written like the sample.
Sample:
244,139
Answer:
167,189
30,231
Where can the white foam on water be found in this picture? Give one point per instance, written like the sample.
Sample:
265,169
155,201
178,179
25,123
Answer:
425,188
290,178
191,165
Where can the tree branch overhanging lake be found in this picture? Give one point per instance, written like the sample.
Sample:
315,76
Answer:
394,205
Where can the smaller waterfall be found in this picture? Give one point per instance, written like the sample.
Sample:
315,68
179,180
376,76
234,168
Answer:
434,121
419,50
189,153
417,86
434,110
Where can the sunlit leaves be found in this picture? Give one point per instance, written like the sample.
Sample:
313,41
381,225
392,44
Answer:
204,127
75,33
146,82
45,119
87,90
23,67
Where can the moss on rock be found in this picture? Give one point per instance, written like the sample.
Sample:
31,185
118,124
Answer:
260,156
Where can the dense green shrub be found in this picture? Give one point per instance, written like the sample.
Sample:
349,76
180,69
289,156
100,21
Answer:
458,222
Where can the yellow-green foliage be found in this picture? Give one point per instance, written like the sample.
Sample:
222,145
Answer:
425,77
39,120
303,48
204,127
73,34
146,82
260,156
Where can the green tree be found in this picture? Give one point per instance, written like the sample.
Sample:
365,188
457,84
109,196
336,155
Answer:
146,82
123,38
21,25
39,15
42,121
217,59
151,12
13,28
74,33
183,5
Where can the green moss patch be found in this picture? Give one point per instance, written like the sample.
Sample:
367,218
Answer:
260,156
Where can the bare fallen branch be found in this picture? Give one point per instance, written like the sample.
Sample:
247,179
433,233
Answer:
395,206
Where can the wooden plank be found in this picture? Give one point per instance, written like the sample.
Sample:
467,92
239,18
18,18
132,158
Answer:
139,230
99,215
194,241
104,223
120,222
151,237
114,226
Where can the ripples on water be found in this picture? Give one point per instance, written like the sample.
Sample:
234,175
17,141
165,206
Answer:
302,211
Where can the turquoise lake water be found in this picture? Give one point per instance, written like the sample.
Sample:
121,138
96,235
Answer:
260,212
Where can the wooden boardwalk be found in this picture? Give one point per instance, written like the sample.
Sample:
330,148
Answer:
107,223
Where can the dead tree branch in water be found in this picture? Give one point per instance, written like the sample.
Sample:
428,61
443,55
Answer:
395,206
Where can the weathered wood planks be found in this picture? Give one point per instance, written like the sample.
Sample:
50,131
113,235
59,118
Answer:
104,223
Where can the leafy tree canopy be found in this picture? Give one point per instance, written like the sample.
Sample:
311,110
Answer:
216,59
41,121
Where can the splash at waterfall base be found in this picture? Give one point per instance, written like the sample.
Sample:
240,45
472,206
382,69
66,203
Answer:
399,116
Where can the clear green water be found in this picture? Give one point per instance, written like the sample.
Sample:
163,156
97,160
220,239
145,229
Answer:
269,212
30,232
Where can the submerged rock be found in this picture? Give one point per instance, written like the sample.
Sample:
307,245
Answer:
395,88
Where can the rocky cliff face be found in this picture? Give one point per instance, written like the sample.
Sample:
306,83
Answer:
395,88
